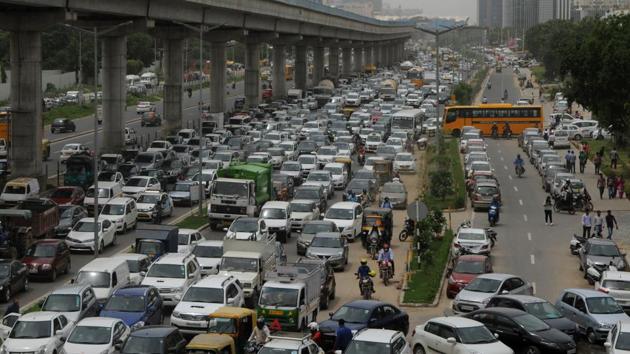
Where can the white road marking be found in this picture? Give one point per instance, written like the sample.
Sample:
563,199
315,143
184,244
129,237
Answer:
534,288
505,167
532,259
520,201
501,158
525,217
515,189
510,177
529,236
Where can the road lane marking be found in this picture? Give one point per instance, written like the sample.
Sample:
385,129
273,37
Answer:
515,189
529,236
525,217
532,259
510,177
520,201
505,167
534,288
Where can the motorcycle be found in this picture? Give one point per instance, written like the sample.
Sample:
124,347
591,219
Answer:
495,133
576,244
385,271
489,86
507,133
366,287
493,215
505,94
594,273
407,230
520,170
252,347
373,244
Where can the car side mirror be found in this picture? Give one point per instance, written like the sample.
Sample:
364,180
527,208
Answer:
607,345
451,340
191,275
372,321
330,314
63,339
504,292
58,332
143,273
496,335
225,229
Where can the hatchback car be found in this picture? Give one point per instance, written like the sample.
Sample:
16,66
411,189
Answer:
465,269
484,193
75,301
68,195
47,258
13,278
96,335
396,193
155,340
137,306
69,215
404,162
618,341
330,246
477,294
38,332
471,241
62,125
372,340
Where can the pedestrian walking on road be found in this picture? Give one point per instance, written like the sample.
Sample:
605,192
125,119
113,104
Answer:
601,185
567,160
614,158
620,186
583,157
598,224
587,223
548,211
573,158
611,222
597,161
610,183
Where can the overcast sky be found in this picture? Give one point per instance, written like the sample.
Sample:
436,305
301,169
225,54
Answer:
442,8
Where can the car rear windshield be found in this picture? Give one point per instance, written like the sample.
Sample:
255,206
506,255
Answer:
62,303
208,251
484,285
616,284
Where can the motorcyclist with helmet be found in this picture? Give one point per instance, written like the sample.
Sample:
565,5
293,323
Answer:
387,204
386,255
494,131
519,164
363,272
494,205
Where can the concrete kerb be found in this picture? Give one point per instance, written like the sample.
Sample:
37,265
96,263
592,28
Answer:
127,249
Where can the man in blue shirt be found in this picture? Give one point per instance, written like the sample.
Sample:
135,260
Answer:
344,336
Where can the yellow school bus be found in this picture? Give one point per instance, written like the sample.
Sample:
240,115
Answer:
416,76
484,116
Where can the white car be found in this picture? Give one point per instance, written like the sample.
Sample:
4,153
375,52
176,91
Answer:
321,178
479,291
160,146
38,332
373,141
348,216
292,169
308,164
72,149
172,274
456,335
187,239
121,212
326,154
617,341
471,241
339,174
413,99
246,228
187,134
209,253
137,185
144,106
276,217
353,99
404,162
560,139
397,143
148,201
96,335
81,237
586,127
302,211
373,340
202,299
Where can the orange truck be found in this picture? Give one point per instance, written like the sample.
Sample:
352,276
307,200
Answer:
5,137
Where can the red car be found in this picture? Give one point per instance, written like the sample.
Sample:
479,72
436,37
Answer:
68,195
466,268
47,258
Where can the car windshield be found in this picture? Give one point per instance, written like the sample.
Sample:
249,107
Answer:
334,170
96,279
273,213
327,151
125,304
318,177
159,144
363,174
306,160
201,251
62,303
475,335
137,182
290,167
358,184
182,187
278,297
167,271
327,242
113,209
62,193
603,250
340,214
144,158
244,225
309,194
404,157
42,250
85,226
531,323
180,148
394,188
374,138
470,267
542,310
484,285
301,207
31,330
205,295
611,284
319,227
149,198
603,305
472,236
222,325
102,193
234,264
142,345
351,314
230,189
365,347
66,212
90,335
183,239
623,341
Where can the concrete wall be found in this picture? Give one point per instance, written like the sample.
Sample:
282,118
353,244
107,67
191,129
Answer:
56,77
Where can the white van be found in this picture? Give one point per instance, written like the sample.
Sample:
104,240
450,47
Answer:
106,192
348,216
122,212
106,275
20,189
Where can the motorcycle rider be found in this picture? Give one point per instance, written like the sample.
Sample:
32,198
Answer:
316,335
505,94
260,334
361,157
364,271
386,255
495,129
387,204
352,197
495,204
566,192
519,164
506,129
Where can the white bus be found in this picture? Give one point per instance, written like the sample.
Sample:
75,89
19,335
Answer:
408,120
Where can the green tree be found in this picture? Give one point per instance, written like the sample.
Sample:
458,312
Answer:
440,184
141,46
463,93
134,67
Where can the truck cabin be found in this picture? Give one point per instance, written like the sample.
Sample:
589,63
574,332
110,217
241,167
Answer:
234,188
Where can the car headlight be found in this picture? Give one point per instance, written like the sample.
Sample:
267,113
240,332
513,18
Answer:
139,324
46,266
41,350
550,344
119,221
606,325
176,314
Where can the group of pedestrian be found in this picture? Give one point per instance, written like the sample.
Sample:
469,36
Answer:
596,223
569,160
616,186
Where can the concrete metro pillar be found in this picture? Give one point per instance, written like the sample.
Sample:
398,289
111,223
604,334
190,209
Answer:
26,103
301,72
333,62
369,55
358,59
279,88
318,64
346,52
217,80
383,55
114,93
377,55
389,54
252,74
173,85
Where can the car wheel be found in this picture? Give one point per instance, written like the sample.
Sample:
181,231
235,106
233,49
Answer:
418,349
577,137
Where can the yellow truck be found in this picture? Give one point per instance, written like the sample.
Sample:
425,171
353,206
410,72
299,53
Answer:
5,137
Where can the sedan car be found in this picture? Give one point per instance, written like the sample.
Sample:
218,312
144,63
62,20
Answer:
477,294
96,335
309,230
524,332
321,178
330,246
81,238
471,241
396,193
62,125
404,162
149,202
466,268
455,335
13,278
600,253
360,314
302,211
246,228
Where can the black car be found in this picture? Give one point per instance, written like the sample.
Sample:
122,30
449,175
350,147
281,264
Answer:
128,170
62,125
69,215
523,332
13,278
154,339
360,314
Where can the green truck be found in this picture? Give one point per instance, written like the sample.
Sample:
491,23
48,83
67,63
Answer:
240,190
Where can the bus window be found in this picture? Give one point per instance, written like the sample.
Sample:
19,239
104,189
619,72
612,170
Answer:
451,115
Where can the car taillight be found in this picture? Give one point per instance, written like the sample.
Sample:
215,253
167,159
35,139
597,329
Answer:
413,333
604,290
456,245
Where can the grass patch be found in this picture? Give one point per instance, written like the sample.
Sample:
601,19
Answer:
35,308
133,100
539,73
70,111
623,165
194,221
425,283
456,198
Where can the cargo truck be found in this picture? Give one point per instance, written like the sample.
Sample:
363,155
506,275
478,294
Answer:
291,296
156,240
240,190
32,219
323,92
388,90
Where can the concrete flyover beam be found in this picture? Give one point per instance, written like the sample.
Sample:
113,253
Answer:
301,72
114,92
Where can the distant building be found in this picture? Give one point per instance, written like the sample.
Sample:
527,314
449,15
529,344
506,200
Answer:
563,9
520,15
490,13
545,10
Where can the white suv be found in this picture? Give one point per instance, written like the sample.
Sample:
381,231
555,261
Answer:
38,332
172,275
277,218
348,216
122,212
204,298
371,339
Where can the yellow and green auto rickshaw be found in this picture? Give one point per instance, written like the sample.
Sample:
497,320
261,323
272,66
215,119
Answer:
383,170
237,322
211,343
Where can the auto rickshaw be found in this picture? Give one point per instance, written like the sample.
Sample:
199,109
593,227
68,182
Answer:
347,111
347,163
383,171
236,322
211,343
383,218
